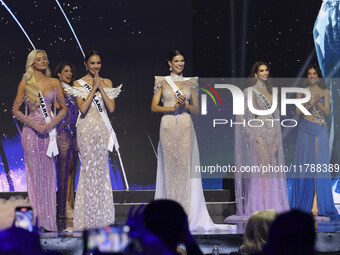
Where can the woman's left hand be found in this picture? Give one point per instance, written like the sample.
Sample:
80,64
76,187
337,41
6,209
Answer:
181,100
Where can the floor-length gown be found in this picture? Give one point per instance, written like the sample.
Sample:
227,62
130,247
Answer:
255,191
312,148
178,154
326,39
40,169
67,157
94,200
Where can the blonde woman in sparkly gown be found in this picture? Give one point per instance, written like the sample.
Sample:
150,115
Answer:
37,134
94,201
177,149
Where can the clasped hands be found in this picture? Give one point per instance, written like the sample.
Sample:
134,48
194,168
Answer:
180,102
96,80
44,128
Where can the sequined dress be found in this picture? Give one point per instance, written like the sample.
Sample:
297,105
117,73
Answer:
177,154
255,147
94,200
40,169
67,158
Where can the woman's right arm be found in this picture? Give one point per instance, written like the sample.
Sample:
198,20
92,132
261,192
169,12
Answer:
84,105
19,99
155,107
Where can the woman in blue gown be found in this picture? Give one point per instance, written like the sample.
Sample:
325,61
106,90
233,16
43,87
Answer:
312,189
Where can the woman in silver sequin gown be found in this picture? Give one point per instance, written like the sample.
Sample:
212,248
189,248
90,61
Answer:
177,149
94,200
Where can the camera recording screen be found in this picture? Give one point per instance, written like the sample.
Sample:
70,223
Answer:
109,239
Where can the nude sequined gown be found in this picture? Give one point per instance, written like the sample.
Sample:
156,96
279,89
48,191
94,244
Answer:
256,191
94,201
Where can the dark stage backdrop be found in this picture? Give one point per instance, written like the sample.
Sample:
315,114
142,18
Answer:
229,36
220,38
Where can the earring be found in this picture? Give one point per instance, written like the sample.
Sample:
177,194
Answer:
86,68
318,80
255,75
170,69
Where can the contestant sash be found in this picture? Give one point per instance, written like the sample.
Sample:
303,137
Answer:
52,149
174,87
113,142
266,102
317,113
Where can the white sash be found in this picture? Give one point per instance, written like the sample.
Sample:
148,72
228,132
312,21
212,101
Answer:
265,100
174,87
52,149
96,103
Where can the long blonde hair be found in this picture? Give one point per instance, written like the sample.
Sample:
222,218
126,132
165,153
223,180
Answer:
32,89
257,230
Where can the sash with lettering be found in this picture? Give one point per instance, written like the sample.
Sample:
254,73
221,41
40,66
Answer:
174,87
266,102
96,103
52,149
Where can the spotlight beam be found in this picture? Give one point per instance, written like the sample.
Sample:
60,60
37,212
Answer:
17,21
69,24
243,39
232,39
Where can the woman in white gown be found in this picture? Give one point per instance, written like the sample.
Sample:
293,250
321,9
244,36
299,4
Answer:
94,95
177,150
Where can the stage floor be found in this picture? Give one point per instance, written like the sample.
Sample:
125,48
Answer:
66,242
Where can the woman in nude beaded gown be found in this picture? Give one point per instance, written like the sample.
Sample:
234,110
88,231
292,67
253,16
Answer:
94,95
259,146
37,135
177,149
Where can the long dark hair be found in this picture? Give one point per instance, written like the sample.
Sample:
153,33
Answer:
61,66
255,69
89,54
321,81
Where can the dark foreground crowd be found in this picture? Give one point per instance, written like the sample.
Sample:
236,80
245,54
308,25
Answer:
162,226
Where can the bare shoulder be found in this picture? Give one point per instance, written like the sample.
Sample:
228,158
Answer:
107,83
54,82
76,84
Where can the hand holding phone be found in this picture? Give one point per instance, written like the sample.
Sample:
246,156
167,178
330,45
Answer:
24,218
109,240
